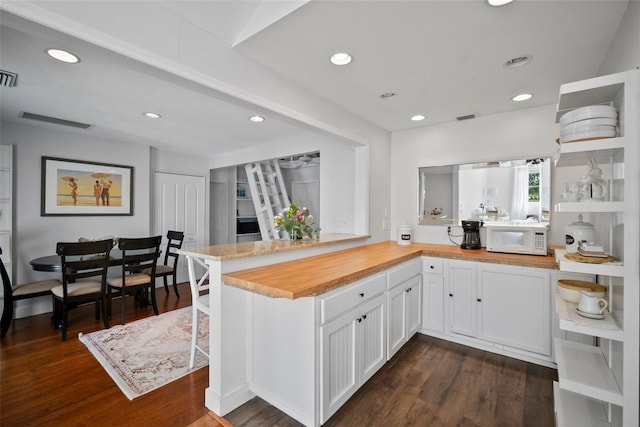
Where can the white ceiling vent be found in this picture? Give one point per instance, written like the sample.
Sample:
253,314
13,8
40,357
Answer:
55,120
8,79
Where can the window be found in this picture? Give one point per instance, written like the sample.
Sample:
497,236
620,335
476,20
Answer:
534,186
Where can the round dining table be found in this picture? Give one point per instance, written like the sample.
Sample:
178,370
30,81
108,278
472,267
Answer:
52,263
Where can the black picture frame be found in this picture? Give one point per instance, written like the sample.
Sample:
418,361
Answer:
84,188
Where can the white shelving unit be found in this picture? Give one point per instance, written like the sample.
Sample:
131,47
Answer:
589,207
245,211
614,268
585,412
583,369
591,389
578,153
570,320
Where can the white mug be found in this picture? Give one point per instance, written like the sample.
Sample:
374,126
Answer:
591,304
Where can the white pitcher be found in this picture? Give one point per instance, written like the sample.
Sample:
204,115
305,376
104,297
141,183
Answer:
591,304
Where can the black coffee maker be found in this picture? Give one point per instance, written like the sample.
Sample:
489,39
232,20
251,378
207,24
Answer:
471,235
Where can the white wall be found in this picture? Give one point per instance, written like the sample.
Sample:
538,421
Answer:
624,52
152,35
35,235
341,183
522,134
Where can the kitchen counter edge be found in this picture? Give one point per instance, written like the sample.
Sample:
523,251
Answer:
263,247
319,274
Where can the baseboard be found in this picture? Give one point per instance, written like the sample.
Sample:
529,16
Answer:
541,360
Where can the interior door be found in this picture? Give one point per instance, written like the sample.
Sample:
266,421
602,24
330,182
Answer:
179,204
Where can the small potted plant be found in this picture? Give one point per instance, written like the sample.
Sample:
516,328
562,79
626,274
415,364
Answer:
296,222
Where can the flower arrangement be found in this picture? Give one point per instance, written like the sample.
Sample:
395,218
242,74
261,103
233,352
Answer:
436,211
296,222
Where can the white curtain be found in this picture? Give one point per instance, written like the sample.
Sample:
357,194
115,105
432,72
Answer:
520,193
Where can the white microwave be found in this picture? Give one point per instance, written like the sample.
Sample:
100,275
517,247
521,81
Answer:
526,238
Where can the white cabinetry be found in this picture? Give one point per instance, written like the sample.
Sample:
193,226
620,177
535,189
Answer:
500,308
462,298
432,294
404,299
604,378
352,344
515,307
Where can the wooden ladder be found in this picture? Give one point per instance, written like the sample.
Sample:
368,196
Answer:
268,193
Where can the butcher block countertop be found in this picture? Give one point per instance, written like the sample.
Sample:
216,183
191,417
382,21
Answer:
318,274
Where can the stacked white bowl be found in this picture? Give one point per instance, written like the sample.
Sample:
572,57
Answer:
591,122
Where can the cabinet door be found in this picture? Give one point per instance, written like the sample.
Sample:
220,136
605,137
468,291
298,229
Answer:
462,299
371,329
397,327
339,377
413,295
433,302
516,308
353,349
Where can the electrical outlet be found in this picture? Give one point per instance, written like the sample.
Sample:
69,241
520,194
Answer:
448,229
385,225
342,221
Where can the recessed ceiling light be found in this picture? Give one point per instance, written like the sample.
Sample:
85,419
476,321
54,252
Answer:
498,2
256,119
388,95
151,115
341,58
63,55
418,117
518,61
522,97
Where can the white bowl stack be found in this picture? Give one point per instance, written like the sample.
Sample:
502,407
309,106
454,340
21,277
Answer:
591,122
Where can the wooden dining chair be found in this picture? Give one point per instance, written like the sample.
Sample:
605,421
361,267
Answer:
138,255
170,268
84,279
20,292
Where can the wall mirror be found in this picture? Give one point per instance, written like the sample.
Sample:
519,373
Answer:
511,190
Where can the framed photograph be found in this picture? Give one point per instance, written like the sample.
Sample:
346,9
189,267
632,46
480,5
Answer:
76,188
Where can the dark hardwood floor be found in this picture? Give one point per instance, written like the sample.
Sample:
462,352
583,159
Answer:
430,382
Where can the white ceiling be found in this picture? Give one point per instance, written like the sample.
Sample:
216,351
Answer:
443,59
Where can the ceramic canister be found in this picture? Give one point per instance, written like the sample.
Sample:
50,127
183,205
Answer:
404,234
577,232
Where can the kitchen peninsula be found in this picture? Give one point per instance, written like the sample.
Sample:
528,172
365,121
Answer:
281,326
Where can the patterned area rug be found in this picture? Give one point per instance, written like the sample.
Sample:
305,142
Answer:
146,354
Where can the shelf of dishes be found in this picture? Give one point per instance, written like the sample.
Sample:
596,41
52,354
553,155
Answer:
613,268
598,90
570,320
573,409
583,369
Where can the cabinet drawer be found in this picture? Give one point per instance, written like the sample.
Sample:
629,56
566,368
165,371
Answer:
345,299
432,265
404,272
